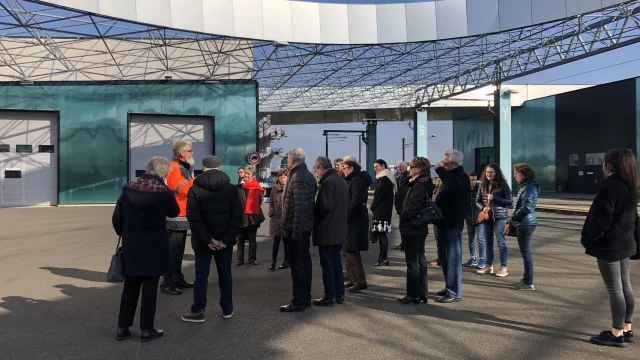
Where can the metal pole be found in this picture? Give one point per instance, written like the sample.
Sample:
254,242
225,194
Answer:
402,149
326,145
360,149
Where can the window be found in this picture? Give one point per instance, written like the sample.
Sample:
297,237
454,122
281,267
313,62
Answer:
12,174
46,149
5,148
27,149
139,173
574,160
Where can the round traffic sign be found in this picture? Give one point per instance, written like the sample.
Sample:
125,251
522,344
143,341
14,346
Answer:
254,158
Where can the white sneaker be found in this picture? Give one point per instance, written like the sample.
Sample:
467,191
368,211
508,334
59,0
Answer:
487,270
227,316
502,272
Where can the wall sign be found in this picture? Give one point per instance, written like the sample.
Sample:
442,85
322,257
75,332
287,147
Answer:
253,158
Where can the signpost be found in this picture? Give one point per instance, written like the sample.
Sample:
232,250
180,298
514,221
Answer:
254,158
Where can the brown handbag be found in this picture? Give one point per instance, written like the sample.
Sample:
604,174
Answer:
509,229
484,216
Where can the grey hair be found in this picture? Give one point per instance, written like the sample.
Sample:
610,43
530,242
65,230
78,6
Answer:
403,162
178,146
158,166
323,162
296,155
249,170
351,158
454,156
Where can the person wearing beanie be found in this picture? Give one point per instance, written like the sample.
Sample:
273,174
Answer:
214,211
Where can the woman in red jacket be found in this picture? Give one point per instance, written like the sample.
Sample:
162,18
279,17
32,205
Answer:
251,196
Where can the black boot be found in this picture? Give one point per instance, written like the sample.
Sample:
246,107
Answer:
123,333
285,265
148,335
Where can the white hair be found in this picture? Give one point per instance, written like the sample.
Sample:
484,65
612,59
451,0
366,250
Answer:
454,156
296,155
178,147
351,158
158,166
403,163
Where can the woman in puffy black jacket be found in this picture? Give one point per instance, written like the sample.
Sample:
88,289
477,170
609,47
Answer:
494,197
524,219
413,237
610,234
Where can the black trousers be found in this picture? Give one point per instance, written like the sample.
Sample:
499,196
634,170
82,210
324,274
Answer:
416,265
177,242
244,235
383,240
129,301
300,261
276,248
332,271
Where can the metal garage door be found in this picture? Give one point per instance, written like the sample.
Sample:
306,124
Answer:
28,158
152,135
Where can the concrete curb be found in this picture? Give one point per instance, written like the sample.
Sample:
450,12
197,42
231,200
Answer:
561,211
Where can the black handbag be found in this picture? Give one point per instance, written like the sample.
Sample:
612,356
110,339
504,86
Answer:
116,268
430,214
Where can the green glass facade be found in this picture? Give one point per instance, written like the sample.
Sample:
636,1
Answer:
472,133
93,146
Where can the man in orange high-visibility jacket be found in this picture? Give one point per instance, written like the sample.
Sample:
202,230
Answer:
180,180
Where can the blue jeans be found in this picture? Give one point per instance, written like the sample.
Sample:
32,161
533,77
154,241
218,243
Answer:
450,255
332,276
473,235
225,282
524,234
490,227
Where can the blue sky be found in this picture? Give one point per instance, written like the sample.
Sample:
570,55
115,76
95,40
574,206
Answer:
610,66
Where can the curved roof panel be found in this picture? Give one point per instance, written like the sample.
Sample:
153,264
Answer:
340,23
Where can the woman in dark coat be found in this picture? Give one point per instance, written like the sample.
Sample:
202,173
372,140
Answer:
610,234
494,197
381,208
140,219
524,219
251,197
358,224
275,214
413,237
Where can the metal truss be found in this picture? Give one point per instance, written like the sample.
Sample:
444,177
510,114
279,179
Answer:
41,42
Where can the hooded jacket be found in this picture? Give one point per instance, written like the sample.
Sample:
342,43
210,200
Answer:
180,181
609,231
140,218
525,205
214,210
382,204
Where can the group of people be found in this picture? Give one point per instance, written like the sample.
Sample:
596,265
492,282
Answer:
154,213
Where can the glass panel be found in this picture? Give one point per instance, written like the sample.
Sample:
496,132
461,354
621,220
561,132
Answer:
46,148
574,160
594,159
484,157
12,174
468,135
4,148
27,149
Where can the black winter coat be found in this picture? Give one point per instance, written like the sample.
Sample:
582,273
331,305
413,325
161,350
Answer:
140,218
298,200
382,204
213,210
609,232
402,183
366,177
249,220
418,192
472,218
501,203
357,215
330,211
452,197
275,211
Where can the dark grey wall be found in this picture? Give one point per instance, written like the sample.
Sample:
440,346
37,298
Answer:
593,120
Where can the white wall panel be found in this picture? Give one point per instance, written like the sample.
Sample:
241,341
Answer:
362,24
277,20
88,5
218,17
548,10
451,18
247,18
482,16
421,21
121,9
305,22
607,3
334,23
186,14
154,12
392,23
515,13
575,7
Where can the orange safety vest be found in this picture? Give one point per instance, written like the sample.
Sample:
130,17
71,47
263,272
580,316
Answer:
179,180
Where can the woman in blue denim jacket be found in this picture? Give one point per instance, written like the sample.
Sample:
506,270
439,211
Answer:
524,219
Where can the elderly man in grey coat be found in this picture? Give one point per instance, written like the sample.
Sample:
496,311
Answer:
330,229
297,223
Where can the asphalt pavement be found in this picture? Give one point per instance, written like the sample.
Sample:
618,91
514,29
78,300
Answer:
55,303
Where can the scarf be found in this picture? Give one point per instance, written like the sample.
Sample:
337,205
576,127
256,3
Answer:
253,198
388,174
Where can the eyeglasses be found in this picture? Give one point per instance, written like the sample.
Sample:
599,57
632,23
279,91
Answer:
189,151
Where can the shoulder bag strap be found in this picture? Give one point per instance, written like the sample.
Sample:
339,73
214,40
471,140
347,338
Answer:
118,246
